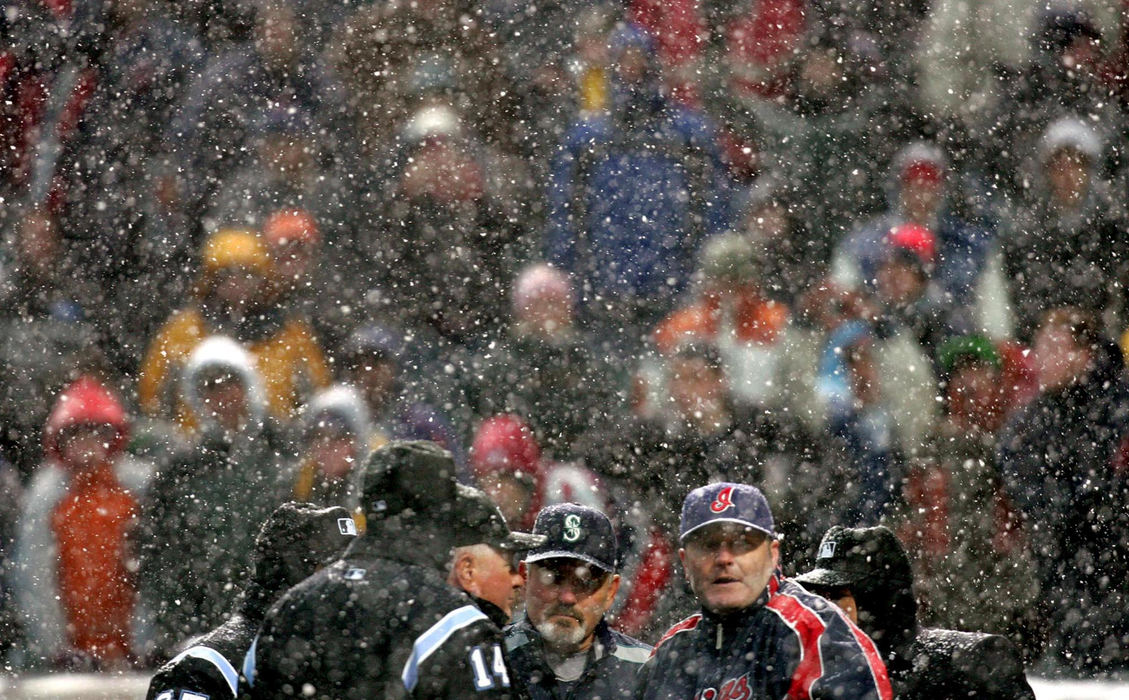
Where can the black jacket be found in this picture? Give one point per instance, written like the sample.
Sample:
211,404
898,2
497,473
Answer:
380,623
209,667
610,674
789,643
951,665
1059,460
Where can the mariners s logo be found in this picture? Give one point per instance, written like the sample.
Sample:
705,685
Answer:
724,500
572,528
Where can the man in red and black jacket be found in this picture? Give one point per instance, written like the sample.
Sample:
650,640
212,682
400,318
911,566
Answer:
758,635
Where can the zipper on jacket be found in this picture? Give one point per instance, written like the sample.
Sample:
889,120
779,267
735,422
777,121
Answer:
718,647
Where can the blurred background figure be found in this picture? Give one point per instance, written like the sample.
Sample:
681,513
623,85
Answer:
194,539
336,436
74,578
235,295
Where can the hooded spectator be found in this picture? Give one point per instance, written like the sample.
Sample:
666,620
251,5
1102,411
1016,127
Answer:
235,296
337,436
1065,247
74,578
632,194
208,498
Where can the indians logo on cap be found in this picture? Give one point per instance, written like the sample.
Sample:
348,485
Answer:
724,500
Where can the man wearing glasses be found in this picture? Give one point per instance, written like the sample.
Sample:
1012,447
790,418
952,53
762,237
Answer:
563,649
758,635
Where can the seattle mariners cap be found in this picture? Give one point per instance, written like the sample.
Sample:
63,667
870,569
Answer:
480,515
847,555
726,503
573,531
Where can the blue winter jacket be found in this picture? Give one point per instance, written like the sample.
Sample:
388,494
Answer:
629,205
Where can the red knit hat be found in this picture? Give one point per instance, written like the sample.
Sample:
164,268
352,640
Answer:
917,240
290,225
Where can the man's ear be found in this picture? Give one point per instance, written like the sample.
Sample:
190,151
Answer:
775,554
682,556
463,569
613,588
523,570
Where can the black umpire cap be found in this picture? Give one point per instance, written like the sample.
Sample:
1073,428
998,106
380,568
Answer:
850,555
413,483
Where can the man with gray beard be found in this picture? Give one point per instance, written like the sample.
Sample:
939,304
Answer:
562,648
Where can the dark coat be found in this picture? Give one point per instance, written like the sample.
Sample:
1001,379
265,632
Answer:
611,673
197,531
789,643
951,665
380,623
1058,460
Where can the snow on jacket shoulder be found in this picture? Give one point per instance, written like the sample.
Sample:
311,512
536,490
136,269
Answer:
369,626
789,643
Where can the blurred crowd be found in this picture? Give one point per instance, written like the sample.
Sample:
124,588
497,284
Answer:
870,256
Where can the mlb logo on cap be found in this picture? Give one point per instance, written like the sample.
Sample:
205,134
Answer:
726,503
347,526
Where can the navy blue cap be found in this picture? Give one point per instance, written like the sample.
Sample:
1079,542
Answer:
726,503
575,532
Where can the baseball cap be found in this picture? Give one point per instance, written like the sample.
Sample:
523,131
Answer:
480,515
574,531
848,555
726,503
408,475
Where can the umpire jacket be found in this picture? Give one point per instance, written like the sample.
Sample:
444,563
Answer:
611,672
383,623
788,643
207,669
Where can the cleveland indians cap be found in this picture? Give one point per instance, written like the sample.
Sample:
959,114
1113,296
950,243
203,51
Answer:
574,531
726,503
848,555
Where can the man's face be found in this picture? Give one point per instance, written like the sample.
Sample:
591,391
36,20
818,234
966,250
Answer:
1068,173
334,453
376,378
237,287
1059,360
565,599
729,565
841,597
225,400
83,447
494,576
294,259
696,387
